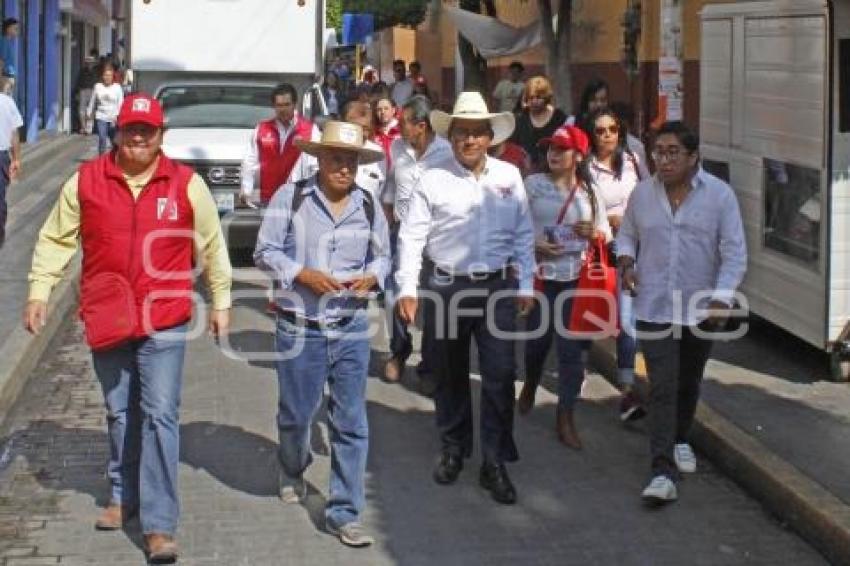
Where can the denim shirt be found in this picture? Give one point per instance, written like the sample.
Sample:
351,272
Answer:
343,248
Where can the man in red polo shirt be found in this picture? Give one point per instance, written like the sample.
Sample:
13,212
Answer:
271,152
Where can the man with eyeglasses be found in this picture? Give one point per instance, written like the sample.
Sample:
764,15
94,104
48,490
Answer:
470,215
682,254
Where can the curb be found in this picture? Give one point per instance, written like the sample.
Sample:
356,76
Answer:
21,352
804,505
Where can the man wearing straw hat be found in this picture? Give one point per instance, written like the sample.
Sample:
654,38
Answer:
470,214
325,242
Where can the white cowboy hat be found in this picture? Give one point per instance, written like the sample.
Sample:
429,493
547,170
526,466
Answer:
341,135
471,106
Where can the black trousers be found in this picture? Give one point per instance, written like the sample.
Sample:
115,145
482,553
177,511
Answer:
454,319
675,361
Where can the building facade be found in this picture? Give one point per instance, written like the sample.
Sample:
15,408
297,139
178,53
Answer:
54,37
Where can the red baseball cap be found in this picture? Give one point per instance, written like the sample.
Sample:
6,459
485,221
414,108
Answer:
140,108
569,137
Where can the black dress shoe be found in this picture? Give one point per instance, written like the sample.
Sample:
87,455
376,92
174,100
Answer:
494,478
448,468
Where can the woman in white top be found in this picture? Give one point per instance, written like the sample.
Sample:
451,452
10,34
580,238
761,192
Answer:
566,214
104,105
615,171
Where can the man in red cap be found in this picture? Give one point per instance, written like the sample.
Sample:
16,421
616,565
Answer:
143,222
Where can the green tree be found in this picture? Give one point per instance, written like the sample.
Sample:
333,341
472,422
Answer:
388,13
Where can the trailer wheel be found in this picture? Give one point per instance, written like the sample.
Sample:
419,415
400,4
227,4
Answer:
839,366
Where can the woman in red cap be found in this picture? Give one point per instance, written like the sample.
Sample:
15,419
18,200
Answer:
566,214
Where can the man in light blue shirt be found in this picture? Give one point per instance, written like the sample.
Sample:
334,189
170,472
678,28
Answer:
9,47
325,242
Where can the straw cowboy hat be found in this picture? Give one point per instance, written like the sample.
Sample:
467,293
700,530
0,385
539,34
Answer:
341,135
471,106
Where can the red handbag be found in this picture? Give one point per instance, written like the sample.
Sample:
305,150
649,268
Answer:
108,310
594,309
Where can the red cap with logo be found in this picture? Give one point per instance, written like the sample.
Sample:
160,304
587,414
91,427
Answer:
569,137
140,109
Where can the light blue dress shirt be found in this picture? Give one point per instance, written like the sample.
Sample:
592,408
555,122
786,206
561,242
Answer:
344,248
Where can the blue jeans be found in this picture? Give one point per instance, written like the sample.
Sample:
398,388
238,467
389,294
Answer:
141,382
570,350
5,161
626,342
105,135
339,357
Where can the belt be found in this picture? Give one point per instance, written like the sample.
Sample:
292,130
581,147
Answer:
300,320
474,276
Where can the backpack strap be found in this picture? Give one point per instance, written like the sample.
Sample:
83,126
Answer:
368,207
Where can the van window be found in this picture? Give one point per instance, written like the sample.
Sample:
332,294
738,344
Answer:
792,210
844,85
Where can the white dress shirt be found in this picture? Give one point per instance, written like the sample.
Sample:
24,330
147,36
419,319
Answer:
407,170
251,161
697,253
371,176
613,191
467,224
545,201
10,120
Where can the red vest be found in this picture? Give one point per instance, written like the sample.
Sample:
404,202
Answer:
149,241
276,165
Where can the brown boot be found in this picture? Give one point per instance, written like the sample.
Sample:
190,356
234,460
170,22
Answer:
160,548
114,516
566,429
393,370
526,397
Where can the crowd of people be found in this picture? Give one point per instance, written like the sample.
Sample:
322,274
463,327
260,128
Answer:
475,224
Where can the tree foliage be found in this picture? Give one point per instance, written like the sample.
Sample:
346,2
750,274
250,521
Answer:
388,13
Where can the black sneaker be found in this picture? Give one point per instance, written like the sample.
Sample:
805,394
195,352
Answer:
630,408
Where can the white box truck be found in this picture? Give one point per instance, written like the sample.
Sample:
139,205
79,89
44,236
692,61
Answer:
213,64
775,121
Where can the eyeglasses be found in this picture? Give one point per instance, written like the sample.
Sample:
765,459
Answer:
672,155
602,130
464,133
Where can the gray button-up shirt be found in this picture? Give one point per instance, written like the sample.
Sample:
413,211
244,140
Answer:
344,248
685,259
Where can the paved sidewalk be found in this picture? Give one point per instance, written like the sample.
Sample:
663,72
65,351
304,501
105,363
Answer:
30,200
574,508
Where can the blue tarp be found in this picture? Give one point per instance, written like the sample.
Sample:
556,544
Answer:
357,27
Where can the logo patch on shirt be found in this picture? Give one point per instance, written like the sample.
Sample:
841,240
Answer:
166,209
505,191
267,139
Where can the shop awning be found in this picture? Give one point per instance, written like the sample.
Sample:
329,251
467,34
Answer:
90,11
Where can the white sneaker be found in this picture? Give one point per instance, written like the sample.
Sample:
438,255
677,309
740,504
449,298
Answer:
660,490
351,534
291,490
686,461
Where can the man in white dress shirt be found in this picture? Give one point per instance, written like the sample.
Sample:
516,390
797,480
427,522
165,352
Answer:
417,150
682,252
470,215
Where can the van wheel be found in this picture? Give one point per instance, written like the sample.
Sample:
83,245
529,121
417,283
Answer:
839,366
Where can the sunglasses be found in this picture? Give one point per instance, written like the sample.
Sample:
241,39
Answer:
602,130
